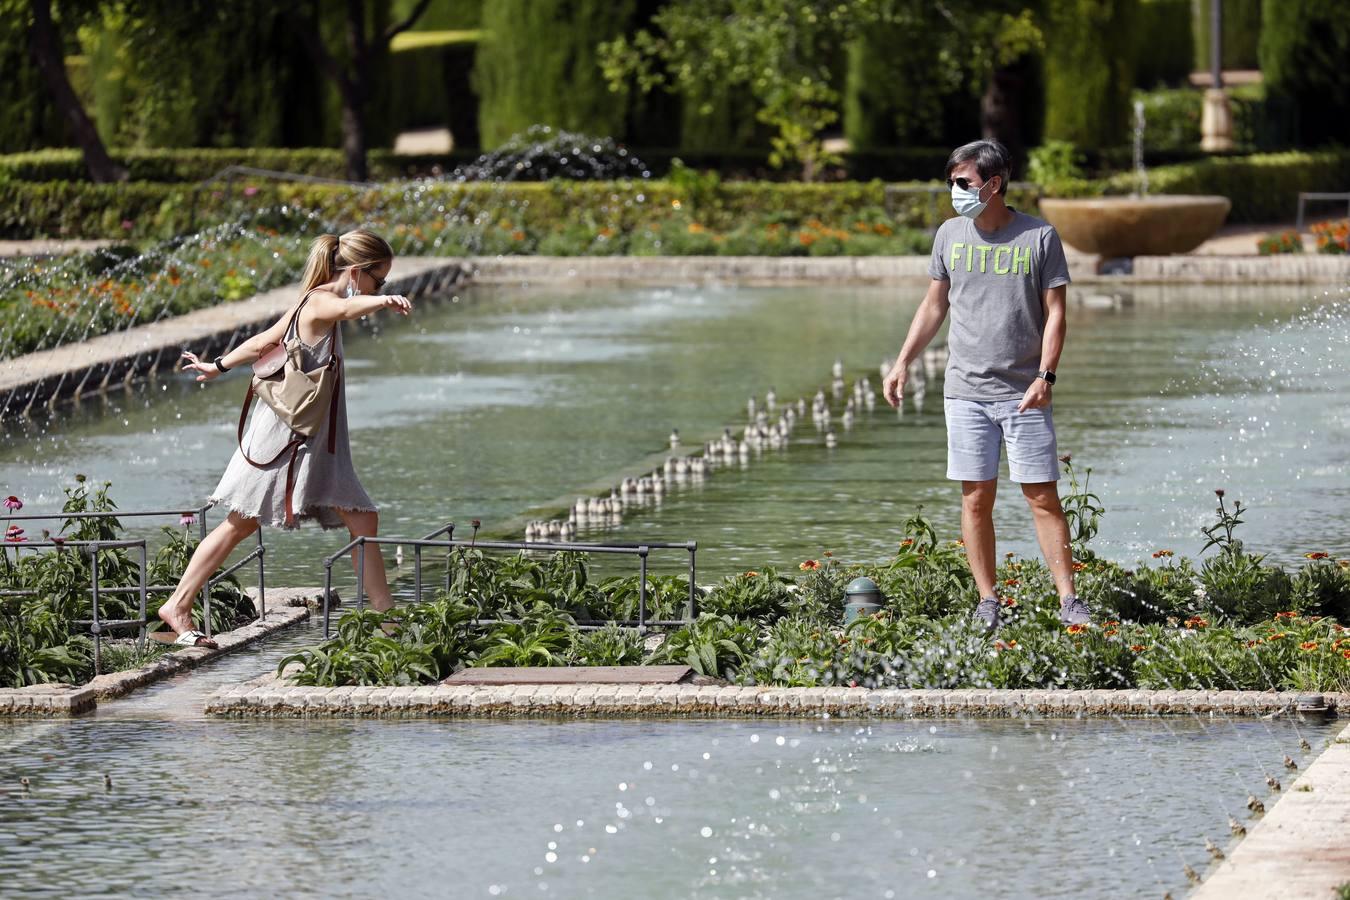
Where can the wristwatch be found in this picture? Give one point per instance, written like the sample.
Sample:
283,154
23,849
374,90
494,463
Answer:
220,367
1047,375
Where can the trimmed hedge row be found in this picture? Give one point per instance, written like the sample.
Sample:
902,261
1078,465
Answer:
141,210
1264,187
191,165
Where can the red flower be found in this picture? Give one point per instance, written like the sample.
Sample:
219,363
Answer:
1307,646
15,534
1076,629
1219,493
1317,555
1138,648
13,503
1159,554
809,566
1196,622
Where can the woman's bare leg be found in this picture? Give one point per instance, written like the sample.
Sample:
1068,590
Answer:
367,524
209,555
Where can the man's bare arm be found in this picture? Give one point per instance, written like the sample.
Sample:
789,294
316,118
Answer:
926,324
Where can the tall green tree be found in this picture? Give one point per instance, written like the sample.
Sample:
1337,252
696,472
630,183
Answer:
367,35
538,64
1305,58
1089,70
48,51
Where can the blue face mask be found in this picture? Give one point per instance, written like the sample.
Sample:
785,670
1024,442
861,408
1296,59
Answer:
968,202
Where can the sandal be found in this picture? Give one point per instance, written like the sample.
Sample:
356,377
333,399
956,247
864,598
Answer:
193,638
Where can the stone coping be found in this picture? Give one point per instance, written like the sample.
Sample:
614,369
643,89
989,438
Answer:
286,607
87,367
1290,268
271,696
1299,849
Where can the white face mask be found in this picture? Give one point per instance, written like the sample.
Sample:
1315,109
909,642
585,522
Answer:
968,202
351,284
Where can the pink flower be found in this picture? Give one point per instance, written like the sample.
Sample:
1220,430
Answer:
13,503
250,191
186,519
127,224
15,534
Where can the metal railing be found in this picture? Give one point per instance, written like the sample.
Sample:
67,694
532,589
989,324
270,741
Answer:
96,625
1305,196
641,550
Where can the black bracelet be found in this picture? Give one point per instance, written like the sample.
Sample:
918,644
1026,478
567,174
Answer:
220,367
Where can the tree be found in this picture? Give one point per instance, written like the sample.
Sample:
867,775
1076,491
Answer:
46,48
353,75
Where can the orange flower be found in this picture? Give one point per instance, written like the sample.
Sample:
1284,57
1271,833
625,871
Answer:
1138,648
1196,622
1009,555
1159,554
828,554
1275,636
1110,623
1317,555
1076,629
696,228
1345,653
1286,615
1308,646
1000,645
1110,632
517,235
1078,567
1253,643
1009,601
907,542
809,566
1011,582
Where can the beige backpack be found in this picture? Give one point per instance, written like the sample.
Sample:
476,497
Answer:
302,399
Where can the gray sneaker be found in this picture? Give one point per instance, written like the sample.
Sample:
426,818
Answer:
987,612
1073,611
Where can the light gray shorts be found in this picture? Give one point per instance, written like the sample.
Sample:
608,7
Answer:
977,429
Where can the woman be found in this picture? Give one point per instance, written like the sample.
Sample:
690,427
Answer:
340,281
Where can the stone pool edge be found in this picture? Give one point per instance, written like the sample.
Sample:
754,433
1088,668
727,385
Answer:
286,608
271,697
1298,850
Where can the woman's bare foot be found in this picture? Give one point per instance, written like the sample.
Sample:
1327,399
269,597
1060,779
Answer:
179,620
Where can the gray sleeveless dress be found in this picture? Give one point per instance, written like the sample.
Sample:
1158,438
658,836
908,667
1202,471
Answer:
324,482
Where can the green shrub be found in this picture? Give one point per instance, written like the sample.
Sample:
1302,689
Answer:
1089,70
751,596
1263,187
1303,49
1172,118
611,645
713,645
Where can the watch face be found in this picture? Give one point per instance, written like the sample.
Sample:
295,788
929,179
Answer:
1048,376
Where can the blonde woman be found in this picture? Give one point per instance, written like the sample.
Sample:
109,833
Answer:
342,280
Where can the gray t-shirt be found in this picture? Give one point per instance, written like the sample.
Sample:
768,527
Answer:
997,311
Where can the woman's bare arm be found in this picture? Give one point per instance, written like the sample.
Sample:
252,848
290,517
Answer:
328,308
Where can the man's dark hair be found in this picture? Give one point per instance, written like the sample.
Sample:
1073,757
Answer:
990,157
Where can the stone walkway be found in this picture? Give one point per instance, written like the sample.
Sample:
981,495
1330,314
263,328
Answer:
286,607
1301,849
88,366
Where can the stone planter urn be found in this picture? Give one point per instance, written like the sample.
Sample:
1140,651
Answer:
1113,227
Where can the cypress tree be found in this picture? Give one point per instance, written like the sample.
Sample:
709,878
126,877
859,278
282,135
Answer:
1089,70
1304,48
537,64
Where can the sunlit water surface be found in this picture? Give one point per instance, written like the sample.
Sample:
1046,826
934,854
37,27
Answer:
502,401
649,809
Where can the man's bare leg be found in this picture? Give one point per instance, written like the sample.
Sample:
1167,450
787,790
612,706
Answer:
977,530
1052,531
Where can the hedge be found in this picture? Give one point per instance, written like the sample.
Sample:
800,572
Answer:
142,210
1264,187
192,165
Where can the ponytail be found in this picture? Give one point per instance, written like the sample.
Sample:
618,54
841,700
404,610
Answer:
321,267
329,254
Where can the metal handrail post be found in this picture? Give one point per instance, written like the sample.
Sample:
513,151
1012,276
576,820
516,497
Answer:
262,579
206,608
360,572
206,588
327,593
692,611
94,627
140,644
642,589
417,574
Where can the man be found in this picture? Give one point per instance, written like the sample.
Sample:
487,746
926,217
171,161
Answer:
1003,275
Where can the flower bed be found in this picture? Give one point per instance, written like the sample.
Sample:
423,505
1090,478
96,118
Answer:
1231,622
39,640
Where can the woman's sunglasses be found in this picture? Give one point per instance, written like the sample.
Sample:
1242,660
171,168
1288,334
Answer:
379,282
